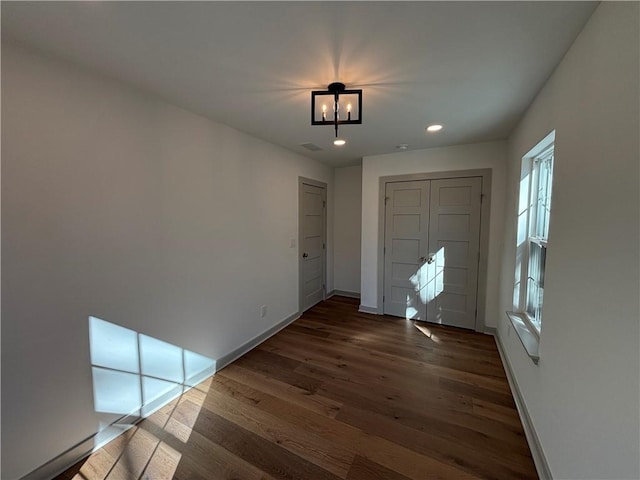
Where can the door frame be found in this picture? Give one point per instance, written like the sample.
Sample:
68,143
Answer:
315,183
485,210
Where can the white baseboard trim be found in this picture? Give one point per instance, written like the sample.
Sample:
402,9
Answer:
254,342
544,472
365,309
82,449
343,293
491,331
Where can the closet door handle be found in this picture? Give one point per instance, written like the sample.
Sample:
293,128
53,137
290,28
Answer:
429,260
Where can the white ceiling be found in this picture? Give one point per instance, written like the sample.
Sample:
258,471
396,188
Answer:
472,66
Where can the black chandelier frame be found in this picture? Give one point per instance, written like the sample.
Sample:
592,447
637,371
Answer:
334,91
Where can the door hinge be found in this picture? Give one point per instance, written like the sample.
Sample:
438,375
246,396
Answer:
384,250
323,246
385,200
383,299
324,204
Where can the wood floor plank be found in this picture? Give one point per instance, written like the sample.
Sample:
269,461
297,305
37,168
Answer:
102,462
290,393
478,392
487,464
163,463
278,367
438,415
136,457
395,338
492,435
365,469
377,449
357,370
339,394
269,457
276,430
386,354
498,413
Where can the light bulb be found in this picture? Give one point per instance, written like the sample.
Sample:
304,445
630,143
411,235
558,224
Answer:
338,142
434,128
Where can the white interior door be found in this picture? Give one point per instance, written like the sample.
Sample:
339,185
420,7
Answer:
406,240
454,248
313,201
431,250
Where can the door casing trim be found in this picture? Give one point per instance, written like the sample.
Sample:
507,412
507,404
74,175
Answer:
315,183
485,211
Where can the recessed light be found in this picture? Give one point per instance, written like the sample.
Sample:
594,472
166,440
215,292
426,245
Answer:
338,142
402,146
434,128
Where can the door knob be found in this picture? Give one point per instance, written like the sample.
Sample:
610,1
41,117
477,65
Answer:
305,255
430,259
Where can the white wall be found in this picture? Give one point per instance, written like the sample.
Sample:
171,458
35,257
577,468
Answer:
117,205
583,395
465,157
346,234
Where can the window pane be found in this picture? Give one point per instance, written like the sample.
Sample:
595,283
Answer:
543,167
535,282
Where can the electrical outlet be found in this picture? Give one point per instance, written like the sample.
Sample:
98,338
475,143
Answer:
263,311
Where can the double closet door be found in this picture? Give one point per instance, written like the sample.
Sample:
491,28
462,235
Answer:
431,250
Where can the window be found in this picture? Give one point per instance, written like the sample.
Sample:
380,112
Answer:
540,208
533,232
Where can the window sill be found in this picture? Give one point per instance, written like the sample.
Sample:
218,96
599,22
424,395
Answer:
529,339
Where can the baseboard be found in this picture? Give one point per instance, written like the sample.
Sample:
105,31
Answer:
365,309
343,293
491,331
544,472
63,461
254,342
83,449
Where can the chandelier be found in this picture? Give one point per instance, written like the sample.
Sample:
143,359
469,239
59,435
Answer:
336,106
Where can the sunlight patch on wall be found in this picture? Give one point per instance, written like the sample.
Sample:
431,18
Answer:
135,374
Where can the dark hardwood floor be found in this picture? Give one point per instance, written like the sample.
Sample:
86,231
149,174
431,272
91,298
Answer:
338,394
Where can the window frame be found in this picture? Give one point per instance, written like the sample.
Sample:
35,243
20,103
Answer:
530,166
536,237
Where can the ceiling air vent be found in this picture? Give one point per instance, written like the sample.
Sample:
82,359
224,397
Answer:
310,146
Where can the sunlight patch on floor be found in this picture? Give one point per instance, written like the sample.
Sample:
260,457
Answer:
139,453
428,333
